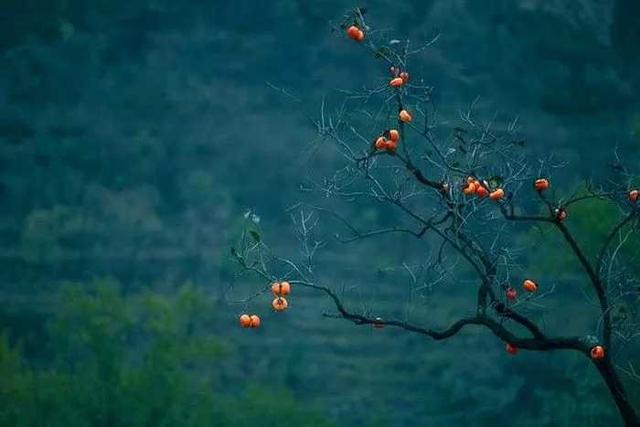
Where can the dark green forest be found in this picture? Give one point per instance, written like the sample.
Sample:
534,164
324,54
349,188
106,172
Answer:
137,137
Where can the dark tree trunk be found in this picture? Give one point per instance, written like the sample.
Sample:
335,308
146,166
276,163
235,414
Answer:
618,393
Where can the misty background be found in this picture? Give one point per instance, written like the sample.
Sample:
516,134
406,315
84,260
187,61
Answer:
135,135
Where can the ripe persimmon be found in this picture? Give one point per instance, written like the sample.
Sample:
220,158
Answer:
245,321
512,294
511,349
381,143
280,304
529,286
470,189
392,145
396,82
541,184
405,116
394,135
497,194
404,76
481,190
255,321
597,352
353,33
285,288
634,195
281,289
360,36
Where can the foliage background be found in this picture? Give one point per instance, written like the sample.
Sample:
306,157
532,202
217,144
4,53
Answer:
133,137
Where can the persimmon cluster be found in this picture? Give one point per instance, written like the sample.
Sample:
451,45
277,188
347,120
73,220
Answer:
388,141
355,33
280,303
280,291
475,187
528,285
399,78
250,321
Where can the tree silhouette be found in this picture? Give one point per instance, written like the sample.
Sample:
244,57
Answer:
469,191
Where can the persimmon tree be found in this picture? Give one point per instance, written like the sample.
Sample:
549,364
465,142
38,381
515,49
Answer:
467,191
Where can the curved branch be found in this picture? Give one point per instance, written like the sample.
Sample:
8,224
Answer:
360,235
519,318
601,196
586,265
610,237
539,343
595,280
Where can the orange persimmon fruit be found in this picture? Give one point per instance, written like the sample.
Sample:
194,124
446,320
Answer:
354,32
396,82
481,190
470,189
381,143
245,321
529,286
497,194
597,352
280,304
541,184
255,321
281,289
405,116
285,288
511,349
634,195
394,135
